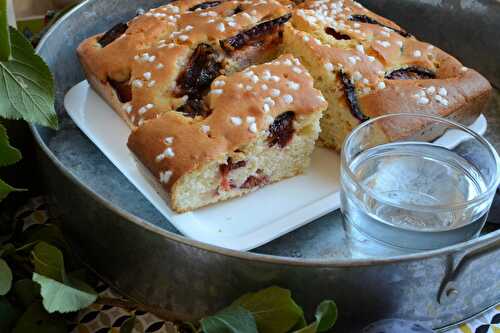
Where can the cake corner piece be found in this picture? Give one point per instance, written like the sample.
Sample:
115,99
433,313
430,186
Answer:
262,128
367,66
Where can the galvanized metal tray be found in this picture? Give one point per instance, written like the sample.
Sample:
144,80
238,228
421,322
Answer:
128,243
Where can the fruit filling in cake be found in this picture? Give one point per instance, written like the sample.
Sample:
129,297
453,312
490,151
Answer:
366,66
262,128
166,59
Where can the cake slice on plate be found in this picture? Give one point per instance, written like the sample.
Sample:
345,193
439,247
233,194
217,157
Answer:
262,127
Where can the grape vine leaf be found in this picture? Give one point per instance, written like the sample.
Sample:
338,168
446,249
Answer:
63,298
26,85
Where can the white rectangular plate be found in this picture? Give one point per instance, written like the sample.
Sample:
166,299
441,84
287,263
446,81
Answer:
239,224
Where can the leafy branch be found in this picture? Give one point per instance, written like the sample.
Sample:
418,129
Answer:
26,85
36,289
33,280
26,90
40,282
271,310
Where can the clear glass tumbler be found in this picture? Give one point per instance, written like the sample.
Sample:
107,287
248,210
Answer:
417,182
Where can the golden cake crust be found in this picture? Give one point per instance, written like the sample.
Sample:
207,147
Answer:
245,104
156,46
167,34
347,38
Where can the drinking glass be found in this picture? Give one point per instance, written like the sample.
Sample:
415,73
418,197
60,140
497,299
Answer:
417,182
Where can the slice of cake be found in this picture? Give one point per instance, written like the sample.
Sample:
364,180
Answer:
366,66
166,59
262,127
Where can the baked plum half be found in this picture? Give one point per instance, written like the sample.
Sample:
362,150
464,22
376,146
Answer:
194,81
281,130
112,34
351,97
411,73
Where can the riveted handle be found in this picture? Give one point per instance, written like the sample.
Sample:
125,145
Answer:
449,290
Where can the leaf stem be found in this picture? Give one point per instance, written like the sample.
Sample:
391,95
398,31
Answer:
5,49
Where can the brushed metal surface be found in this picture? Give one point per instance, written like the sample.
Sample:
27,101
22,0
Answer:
123,238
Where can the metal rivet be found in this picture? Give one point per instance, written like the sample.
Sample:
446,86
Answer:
452,292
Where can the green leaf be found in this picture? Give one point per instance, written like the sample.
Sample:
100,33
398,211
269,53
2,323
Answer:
7,249
187,327
8,154
6,189
27,246
326,316
36,319
128,325
308,329
234,319
25,292
48,261
59,297
26,85
8,315
4,32
5,278
274,310
49,233
75,280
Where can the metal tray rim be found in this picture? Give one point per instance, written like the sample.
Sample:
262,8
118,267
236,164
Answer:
265,258
480,241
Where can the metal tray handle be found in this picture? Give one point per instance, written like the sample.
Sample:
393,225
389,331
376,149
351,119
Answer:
449,287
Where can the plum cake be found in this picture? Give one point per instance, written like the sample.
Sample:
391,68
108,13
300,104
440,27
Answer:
166,59
224,97
366,66
262,127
